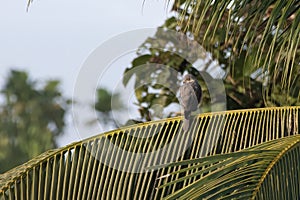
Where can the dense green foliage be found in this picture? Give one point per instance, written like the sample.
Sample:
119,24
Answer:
31,117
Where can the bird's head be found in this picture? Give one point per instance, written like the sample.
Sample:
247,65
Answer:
188,78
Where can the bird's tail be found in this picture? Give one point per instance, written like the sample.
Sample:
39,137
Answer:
186,121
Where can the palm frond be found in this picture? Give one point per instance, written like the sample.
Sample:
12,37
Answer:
266,31
114,165
266,171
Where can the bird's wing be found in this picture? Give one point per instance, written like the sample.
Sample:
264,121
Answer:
198,91
188,97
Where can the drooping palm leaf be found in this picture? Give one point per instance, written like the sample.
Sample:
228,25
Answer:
265,34
114,165
265,171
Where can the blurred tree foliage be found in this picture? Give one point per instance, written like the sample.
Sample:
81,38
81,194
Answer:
254,43
106,103
31,118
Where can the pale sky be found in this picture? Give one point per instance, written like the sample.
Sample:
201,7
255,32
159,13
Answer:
55,37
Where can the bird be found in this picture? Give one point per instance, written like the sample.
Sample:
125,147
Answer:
190,95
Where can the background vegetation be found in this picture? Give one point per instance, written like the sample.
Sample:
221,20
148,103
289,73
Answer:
31,118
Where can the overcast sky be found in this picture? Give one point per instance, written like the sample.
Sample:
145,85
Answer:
55,37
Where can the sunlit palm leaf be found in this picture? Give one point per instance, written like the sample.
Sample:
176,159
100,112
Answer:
266,171
115,165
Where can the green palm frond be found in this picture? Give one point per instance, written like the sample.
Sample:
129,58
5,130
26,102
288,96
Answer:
265,32
265,171
114,165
